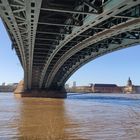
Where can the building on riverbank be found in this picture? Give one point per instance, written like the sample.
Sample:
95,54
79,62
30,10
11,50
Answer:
130,88
8,87
96,88
106,88
137,89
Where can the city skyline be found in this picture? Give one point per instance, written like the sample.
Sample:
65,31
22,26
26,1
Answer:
115,67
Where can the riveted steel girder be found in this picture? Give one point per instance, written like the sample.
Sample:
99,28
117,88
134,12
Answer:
131,23
8,14
93,55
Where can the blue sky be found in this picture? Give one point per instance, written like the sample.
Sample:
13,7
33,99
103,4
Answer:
115,67
10,68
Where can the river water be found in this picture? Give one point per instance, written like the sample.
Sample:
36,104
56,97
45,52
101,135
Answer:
79,117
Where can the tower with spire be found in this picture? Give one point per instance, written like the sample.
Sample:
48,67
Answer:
129,82
129,88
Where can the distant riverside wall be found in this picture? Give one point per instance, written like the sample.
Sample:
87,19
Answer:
7,88
80,89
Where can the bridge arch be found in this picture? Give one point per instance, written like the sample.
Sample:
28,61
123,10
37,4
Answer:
64,76
53,38
124,37
87,60
115,10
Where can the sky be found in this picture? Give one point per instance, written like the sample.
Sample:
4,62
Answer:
113,68
10,68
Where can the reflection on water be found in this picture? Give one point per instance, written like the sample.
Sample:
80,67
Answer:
79,117
42,118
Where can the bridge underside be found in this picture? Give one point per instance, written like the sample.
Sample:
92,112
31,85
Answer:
55,38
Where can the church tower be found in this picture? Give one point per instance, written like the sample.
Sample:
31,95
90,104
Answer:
129,82
129,88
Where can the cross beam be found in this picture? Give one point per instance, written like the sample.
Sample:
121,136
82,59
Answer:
57,24
68,11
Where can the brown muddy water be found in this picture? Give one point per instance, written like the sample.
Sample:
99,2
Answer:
79,117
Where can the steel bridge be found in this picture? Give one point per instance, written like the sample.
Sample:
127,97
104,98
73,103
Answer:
54,38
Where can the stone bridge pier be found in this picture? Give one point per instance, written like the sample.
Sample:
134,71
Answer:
54,92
